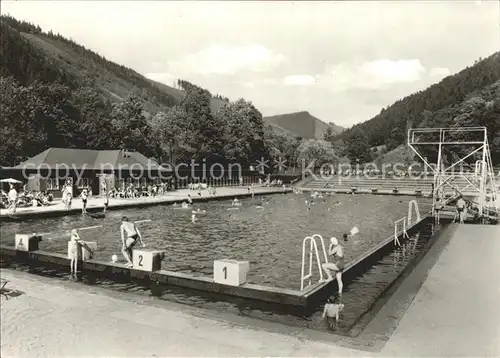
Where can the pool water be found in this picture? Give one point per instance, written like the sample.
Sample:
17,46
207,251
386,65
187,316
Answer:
359,295
269,237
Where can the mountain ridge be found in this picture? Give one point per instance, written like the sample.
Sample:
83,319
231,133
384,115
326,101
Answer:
302,124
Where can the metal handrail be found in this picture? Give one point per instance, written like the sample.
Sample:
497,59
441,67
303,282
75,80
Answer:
396,232
313,249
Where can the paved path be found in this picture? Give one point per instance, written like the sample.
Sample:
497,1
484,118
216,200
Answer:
51,319
170,197
456,313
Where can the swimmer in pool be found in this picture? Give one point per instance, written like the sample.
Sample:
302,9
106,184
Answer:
193,218
174,205
332,310
185,205
130,235
337,264
236,202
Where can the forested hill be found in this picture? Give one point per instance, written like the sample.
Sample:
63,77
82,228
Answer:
439,100
58,94
29,55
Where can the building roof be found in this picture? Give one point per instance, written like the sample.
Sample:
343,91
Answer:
89,159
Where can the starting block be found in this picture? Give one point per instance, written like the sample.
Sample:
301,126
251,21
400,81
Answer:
231,272
86,254
147,260
27,242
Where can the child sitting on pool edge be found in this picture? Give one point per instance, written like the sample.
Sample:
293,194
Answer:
332,311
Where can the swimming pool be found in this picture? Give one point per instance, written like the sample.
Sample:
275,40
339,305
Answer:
270,238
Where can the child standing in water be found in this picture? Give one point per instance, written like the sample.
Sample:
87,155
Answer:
332,311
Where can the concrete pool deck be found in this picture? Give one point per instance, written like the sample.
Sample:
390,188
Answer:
57,208
454,311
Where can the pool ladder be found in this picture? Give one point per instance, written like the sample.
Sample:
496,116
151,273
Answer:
313,250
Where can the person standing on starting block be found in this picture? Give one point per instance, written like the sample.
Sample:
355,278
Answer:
332,311
75,242
130,234
337,264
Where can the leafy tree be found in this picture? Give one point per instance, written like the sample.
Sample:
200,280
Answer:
22,123
95,125
171,129
206,129
317,150
130,127
329,135
357,147
243,132
281,146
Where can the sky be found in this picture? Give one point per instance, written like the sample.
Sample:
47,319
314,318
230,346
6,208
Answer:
340,61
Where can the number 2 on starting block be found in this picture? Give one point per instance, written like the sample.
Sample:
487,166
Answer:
146,260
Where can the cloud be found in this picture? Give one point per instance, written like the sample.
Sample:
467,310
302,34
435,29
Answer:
225,60
377,74
299,80
387,71
439,72
163,77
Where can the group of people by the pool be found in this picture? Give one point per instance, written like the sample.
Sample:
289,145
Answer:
333,269
130,236
461,207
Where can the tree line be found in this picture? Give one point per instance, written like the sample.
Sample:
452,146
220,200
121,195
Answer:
42,115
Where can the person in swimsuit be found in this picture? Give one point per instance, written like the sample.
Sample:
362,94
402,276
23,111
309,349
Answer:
84,196
337,264
106,202
461,204
130,234
437,209
75,243
332,311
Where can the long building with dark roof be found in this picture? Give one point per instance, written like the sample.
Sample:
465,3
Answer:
87,168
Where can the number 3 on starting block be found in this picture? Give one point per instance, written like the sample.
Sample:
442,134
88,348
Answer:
231,272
